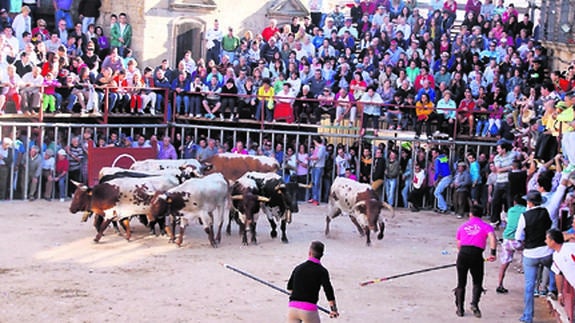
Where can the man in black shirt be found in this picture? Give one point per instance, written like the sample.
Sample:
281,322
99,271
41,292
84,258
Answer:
304,284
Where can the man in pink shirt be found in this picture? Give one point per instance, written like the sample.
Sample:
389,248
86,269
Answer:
472,239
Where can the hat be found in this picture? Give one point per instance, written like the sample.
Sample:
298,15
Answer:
537,60
2,11
327,89
7,141
534,197
444,54
62,152
49,152
463,164
539,47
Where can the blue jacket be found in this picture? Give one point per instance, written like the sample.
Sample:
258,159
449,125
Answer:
442,167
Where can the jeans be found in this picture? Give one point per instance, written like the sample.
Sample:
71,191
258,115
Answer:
390,186
62,187
71,101
481,127
196,105
530,266
86,21
269,114
441,186
316,176
405,192
179,99
61,14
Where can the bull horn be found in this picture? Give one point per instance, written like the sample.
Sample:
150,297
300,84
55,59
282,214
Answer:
307,186
237,197
263,199
390,208
282,185
79,185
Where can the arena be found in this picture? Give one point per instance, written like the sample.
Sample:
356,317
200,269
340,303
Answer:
52,271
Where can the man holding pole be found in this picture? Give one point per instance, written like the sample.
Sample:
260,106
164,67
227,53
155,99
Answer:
472,238
304,284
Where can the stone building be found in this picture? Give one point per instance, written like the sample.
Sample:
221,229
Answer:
167,28
557,18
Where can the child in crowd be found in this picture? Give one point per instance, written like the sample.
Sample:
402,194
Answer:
49,98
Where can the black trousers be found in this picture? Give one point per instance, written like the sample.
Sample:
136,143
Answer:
500,195
470,259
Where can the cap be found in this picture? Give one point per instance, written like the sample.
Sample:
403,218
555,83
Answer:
534,197
537,60
327,89
49,152
444,54
62,152
462,164
7,141
538,47
2,11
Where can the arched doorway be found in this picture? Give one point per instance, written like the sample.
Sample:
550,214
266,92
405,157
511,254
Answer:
188,35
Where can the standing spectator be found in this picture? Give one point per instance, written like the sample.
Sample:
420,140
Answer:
34,172
302,169
22,23
461,184
60,173
406,163
304,284
442,178
88,11
475,173
76,157
121,34
270,31
213,43
378,174
62,12
509,244
48,168
503,165
6,160
531,229
317,166
472,237
103,43
167,150
230,43
392,171
365,166
341,162
418,188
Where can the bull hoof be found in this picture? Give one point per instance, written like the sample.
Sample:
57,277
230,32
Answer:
274,234
285,240
245,243
380,236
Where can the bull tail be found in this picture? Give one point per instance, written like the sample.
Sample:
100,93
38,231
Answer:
390,208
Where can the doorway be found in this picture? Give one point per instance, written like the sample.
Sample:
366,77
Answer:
189,37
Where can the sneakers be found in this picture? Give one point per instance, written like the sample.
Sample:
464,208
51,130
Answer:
501,290
310,200
198,116
62,199
222,117
569,169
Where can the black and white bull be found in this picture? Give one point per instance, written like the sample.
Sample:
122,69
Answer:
203,199
361,203
119,199
278,202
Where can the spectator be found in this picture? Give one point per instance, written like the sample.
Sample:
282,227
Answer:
121,34
461,185
11,84
103,43
392,171
180,87
442,178
62,169
22,23
49,98
213,40
76,155
265,94
317,163
229,100
62,12
212,102
418,188
88,11
424,111
345,106
167,150
509,244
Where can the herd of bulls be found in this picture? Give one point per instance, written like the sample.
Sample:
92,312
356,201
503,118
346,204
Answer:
187,191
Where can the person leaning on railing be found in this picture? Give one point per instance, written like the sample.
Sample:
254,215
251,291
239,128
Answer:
424,109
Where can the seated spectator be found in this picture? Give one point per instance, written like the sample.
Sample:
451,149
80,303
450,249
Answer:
371,105
23,64
106,80
266,94
345,106
11,84
166,149
212,101
248,102
494,121
180,87
136,90
148,96
162,94
481,118
424,111
304,106
283,109
394,112
326,105
31,91
445,109
229,100
40,33
121,89
465,113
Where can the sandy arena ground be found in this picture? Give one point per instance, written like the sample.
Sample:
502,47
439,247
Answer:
51,271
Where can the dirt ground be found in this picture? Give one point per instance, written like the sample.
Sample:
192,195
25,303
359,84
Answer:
51,271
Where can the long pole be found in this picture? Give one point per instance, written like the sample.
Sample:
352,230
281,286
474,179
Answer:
261,281
379,280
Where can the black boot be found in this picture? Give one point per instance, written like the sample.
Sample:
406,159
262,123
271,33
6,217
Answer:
477,290
459,300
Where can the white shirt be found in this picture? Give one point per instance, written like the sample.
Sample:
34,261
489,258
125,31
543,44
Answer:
212,35
564,262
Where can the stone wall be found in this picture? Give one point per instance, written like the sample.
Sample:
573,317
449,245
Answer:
155,22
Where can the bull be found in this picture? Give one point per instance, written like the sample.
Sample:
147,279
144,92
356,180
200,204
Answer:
361,203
